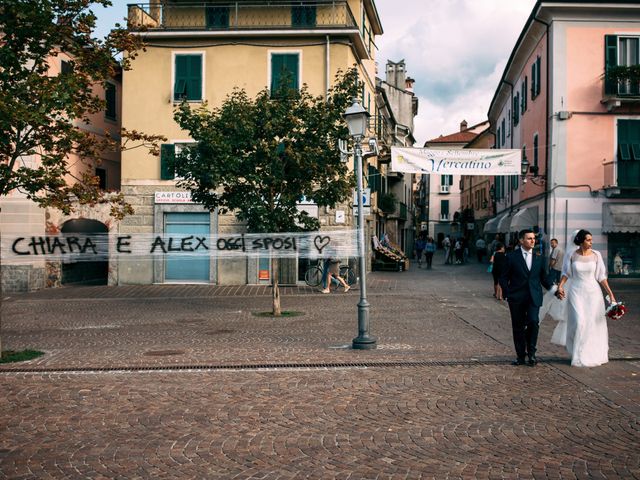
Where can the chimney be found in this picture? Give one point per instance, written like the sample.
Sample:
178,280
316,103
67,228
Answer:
409,84
396,74
463,125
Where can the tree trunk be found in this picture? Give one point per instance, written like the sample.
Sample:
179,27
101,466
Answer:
275,290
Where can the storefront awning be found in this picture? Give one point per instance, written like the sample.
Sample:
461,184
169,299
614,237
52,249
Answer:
524,218
492,225
505,222
621,217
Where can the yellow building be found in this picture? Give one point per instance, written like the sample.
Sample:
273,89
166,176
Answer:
201,53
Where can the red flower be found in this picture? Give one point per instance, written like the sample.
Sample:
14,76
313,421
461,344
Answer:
616,311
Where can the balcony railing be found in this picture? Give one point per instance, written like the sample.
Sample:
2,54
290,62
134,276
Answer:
240,16
622,174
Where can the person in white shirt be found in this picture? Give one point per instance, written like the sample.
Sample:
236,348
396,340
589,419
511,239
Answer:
555,261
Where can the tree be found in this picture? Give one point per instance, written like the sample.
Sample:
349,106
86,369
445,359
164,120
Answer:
41,115
258,157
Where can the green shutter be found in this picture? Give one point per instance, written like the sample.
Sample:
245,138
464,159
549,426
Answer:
303,16
533,79
217,17
516,109
284,66
167,159
535,150
444,207
538,75
188,78
610,60
628,151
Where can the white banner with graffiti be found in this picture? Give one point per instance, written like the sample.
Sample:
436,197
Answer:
103,247
455,162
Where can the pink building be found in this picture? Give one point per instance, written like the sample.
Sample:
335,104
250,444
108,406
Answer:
578,129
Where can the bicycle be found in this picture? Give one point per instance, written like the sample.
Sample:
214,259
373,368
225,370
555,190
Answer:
313,275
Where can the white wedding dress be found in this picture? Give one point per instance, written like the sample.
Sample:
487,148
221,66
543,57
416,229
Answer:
582,326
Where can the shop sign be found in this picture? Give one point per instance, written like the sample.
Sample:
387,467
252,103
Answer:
173,197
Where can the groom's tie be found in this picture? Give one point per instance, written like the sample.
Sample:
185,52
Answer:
527,259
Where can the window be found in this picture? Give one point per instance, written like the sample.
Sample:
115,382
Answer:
65,67
168,154
303,16
621,52
535,78
503,140
498,137
101,173
285,71
516,109
535,153
444,209
217,17
110,98
188,78
523,95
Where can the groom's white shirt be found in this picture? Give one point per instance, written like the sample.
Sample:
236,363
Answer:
528,257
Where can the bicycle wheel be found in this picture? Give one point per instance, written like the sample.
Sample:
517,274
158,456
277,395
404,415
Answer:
313,276
348,275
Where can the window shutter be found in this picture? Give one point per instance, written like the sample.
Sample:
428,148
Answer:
291,65
194,83
538,75
534,77
516,109
284,66
498,137
535,150
277,66
504,131
523,100
610,60
444,207
180,86
167,158
110,99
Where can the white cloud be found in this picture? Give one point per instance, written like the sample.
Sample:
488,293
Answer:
456,51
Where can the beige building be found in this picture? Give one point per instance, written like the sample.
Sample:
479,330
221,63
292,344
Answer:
202,53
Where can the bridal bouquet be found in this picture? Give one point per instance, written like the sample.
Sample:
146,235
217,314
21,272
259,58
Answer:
616,311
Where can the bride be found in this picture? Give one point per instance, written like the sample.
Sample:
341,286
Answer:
582,326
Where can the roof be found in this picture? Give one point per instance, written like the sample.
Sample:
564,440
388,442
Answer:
458,137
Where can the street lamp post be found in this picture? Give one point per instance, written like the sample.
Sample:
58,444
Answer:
356,118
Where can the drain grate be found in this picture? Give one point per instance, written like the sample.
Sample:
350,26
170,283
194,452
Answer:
279,366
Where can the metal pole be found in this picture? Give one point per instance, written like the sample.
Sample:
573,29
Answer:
363,341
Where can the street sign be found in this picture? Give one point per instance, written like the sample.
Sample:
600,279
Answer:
366,197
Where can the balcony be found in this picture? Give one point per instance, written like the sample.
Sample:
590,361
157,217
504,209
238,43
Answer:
621,175
225,19
621,86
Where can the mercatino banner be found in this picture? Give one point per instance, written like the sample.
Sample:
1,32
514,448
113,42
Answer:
455,162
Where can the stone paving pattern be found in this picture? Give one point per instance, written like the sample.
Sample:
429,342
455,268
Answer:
184,381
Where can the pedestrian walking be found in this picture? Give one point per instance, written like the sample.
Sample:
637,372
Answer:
446,244
419,246
459,252
498,262
481,249
429,250
522,282
556,260
333,272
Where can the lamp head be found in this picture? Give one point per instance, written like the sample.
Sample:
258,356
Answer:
357,119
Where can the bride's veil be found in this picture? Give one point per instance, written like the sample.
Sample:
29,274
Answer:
553,306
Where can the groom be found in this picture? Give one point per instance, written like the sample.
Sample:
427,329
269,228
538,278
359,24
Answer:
521,283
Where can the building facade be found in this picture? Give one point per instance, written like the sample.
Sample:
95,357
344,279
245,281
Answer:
397,106
201,53
20,217
569,101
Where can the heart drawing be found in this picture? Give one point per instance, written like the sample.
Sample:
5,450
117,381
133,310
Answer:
321,242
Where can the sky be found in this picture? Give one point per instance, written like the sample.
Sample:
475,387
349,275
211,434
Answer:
455,50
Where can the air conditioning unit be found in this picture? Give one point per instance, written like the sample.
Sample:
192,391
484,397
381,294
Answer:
444,188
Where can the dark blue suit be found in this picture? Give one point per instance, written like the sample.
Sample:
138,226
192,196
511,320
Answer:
523,289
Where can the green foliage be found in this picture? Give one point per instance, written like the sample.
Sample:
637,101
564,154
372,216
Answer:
258,157
10,356
40,112
622,73
387,202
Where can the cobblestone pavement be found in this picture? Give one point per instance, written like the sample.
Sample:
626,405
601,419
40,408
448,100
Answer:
177,381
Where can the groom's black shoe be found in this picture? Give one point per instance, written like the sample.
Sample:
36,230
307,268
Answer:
519,361
532,361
